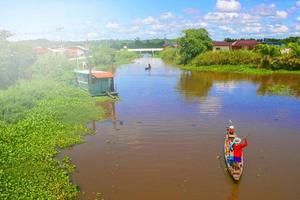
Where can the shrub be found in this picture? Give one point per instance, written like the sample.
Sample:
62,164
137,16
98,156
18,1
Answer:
240,57
170,55
285,61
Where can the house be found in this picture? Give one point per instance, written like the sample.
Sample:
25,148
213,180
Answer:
221,45
60,50
41,50
244,44
75,52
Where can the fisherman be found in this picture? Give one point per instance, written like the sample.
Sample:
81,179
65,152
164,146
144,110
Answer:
238,151
148,68
231,132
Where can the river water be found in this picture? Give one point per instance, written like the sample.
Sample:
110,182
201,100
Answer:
164,139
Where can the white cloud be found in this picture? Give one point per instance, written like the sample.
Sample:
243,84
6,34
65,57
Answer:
195,25
167,15
191,11
92,35
297,28
278,29
281,14
265,10
252,28
298,18
228,29
112,25
248,18
228,5
221,17
298,3
146,21
158,27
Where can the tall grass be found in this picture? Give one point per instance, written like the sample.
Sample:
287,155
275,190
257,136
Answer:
240,57
170,55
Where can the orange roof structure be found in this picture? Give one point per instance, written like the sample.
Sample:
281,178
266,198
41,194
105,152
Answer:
101,74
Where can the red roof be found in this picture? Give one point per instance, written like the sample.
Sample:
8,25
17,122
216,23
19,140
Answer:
245,43
99,74
221,43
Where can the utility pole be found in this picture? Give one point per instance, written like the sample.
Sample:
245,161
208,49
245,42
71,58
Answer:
59,31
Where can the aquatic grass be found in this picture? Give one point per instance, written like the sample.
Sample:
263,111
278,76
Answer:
32,135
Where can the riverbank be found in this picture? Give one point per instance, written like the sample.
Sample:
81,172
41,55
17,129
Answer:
40,117
245,69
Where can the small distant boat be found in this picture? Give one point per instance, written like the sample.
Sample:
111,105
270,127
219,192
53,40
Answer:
97,83
148,68
235,172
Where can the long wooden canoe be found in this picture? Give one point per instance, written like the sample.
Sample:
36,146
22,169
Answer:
235,172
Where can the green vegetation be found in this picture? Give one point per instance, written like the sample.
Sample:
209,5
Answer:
194,54
241,57
170,55
281,90
102,57
273,58
48,116
14,61
193,43
40,113
247,69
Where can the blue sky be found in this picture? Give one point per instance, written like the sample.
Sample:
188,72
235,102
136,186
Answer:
147,19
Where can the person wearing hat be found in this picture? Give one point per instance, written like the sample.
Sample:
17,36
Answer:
238,150
231,132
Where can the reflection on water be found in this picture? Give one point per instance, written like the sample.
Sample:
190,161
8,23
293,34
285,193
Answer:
234,192
198,84
210,106
165,137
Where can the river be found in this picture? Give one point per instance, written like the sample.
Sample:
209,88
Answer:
164,139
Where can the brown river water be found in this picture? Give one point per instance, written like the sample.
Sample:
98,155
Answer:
164,139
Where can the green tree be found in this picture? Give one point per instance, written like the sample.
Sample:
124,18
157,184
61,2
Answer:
195,42
15,59
102,56
4,34
52,66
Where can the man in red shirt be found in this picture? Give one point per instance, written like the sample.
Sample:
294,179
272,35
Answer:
238,151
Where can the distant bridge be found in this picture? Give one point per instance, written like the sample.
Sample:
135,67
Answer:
146,50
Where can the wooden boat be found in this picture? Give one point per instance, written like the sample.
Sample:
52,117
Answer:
235,172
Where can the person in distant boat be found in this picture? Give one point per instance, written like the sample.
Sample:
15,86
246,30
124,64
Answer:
149,67
238,151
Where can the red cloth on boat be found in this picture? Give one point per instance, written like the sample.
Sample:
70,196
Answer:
238,149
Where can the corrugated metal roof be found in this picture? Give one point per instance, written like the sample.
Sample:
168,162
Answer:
245,43
221,43
100,74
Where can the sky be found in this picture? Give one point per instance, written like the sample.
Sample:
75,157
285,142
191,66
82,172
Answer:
76,20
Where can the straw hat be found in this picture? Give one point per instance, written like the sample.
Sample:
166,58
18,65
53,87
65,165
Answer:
237,140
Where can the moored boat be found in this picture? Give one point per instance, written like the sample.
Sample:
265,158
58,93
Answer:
234,169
